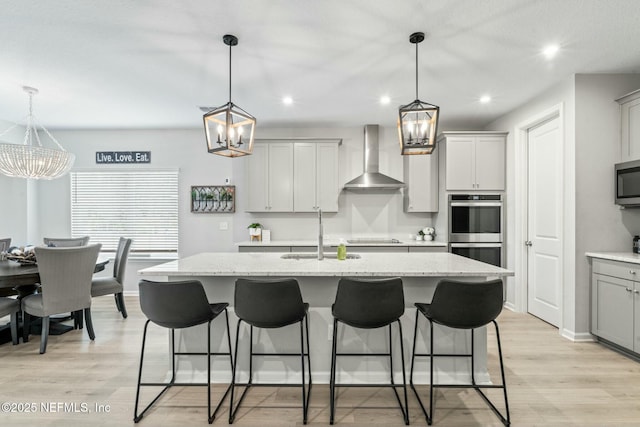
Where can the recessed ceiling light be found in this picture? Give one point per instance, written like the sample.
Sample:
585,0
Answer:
550,51
287,100
485,99
384,100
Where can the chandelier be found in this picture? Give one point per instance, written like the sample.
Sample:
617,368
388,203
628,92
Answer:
31,159
418,121
229,129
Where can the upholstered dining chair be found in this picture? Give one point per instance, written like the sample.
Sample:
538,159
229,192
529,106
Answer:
66,242
114,285
11,307
65,277
5,244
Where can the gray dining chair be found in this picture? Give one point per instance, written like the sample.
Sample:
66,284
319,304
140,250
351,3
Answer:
5,244
11,307
101,286
66,242
65,278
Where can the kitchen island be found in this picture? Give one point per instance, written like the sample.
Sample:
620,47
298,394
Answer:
318,280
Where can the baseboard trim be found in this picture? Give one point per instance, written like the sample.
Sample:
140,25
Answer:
577,336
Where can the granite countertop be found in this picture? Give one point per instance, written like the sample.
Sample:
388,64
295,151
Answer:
616,256
335,242
369,265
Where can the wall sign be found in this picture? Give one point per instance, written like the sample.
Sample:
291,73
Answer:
110,157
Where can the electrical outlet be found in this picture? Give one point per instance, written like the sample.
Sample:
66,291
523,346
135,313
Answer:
224,226
330,331
227,181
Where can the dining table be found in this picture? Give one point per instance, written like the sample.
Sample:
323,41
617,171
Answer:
24,279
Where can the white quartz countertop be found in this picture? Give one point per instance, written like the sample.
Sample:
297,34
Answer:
616,256
335,242
369,265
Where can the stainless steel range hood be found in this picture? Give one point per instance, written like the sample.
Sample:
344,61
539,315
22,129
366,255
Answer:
372,179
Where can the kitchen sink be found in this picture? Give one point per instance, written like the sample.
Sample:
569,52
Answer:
374,240
313,255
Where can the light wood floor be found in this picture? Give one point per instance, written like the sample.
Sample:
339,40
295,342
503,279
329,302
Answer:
552,382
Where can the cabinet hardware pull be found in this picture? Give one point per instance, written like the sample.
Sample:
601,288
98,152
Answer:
635,291
628,290
528,243
632,272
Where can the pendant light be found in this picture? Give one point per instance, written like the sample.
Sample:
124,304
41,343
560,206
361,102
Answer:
31,159
418,121
229,129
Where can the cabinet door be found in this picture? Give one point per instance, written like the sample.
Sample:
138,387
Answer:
636,312
280,177
421,180
612,309
460,163
490,163
304,173
630,129
327,184
257,179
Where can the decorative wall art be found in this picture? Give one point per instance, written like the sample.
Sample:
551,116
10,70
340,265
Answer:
213,198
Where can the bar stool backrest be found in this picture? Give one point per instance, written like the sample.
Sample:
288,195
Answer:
175,305
466,305
369,303
269,303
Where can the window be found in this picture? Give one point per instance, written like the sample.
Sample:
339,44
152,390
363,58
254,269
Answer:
141,205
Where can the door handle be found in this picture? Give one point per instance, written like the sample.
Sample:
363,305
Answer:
528,243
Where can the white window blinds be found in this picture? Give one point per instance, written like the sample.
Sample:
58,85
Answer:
141,205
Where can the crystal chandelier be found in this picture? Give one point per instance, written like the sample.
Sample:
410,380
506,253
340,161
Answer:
418,121
229,129
30,159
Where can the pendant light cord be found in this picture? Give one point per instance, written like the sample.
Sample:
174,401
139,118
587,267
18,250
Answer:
416,70
229,73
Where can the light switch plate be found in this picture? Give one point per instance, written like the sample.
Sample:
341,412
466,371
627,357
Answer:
224,226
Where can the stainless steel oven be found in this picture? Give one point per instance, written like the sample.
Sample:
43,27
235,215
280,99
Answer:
475,218
491,253
476,227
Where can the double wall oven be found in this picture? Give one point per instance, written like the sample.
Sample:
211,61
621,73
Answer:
476,227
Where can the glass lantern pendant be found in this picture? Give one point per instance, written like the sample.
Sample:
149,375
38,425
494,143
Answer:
229,129
418,121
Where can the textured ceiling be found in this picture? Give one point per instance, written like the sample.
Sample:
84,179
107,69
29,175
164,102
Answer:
151,63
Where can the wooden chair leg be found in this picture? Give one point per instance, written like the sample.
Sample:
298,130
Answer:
44,334
89,323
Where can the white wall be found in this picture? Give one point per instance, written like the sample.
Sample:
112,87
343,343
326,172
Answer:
563,94
13,195
591,222
363,214
600,224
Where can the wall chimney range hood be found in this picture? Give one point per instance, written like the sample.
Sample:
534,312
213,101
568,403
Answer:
371,178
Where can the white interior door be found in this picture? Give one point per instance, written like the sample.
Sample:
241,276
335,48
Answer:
544,241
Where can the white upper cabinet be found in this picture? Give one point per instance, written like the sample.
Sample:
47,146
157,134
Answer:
293,176
474,160
270,177
630,126
421,180
315,176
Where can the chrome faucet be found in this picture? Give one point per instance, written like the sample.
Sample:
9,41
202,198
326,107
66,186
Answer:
320,242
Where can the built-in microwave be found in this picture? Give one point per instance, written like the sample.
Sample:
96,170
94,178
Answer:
628,183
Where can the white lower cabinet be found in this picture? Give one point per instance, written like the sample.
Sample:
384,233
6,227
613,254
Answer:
615,303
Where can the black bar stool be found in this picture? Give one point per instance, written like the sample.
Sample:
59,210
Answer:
270,304
369,304
178,305
461,305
